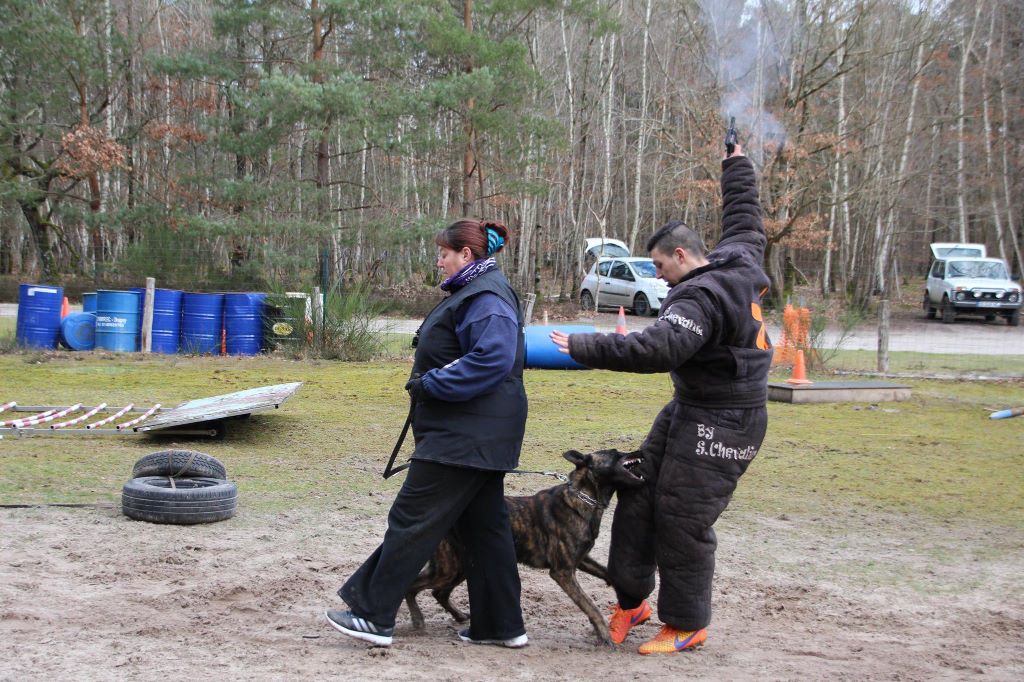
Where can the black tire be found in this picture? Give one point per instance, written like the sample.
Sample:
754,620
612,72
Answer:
1013,319
188,463
586,300
641,306
189,501
929,309
948,311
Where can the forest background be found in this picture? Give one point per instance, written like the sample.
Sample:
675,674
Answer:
246,145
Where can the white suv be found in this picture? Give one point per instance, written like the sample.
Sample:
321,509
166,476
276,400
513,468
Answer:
962,285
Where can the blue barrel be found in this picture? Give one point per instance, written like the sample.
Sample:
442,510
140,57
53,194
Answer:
78,331
89,302
243,323
542,353
202,316
38,315
117,320
166,318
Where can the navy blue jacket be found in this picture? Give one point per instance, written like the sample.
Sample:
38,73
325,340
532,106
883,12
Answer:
473,408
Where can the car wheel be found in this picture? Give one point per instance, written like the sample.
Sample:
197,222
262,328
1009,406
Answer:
641,306
184,501
586,300
1013,319
929,309
948,311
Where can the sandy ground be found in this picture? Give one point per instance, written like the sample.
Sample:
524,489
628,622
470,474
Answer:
87,594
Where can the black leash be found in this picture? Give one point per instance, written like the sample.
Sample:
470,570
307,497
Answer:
565,479
390,470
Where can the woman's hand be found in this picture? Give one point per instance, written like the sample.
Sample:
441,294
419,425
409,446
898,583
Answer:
415,388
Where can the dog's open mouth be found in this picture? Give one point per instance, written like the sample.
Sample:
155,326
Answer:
631,465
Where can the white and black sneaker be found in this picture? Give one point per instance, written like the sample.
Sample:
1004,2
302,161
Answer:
360,628
511,643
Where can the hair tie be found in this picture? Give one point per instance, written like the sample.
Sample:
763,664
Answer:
494,241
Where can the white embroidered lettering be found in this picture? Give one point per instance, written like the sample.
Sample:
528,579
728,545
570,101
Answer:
684,322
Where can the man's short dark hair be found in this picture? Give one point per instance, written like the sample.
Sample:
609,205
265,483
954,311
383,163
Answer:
676,234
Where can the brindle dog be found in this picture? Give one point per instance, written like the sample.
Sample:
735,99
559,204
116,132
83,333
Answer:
553,529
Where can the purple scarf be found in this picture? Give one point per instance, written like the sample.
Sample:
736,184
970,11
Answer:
468,273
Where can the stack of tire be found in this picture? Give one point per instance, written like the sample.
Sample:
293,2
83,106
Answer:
180,487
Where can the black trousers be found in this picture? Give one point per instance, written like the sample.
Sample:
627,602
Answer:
694,458
435,499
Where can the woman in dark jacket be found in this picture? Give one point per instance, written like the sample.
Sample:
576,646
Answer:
468,423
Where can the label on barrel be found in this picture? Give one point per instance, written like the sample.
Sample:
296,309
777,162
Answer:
282,329
109,321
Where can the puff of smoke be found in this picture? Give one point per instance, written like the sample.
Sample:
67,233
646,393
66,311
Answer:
745,52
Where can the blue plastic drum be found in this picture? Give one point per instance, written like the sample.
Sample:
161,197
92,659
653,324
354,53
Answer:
166,318
542,353
89,302
202,318
78,331
117,320
243,323
38,315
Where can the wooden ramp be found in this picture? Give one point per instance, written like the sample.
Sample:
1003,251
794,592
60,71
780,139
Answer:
838,392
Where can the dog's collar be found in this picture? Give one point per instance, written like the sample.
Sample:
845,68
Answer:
587,498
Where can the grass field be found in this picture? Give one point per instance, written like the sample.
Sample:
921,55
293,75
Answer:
936,455
929,363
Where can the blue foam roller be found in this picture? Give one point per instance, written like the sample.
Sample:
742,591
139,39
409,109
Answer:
542,353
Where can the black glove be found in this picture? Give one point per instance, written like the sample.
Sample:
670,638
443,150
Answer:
415,388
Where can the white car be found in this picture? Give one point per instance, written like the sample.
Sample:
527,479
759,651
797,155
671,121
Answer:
627,282
972,286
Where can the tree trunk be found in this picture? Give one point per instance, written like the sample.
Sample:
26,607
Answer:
966,43
468,157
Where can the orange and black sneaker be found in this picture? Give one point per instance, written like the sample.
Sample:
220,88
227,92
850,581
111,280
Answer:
670,640
623,620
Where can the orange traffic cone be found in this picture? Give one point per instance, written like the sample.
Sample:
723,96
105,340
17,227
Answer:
65,308
799,371
620,325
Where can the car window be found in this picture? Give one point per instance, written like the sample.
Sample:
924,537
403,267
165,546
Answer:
962,252
938,268
644,268
976,269
608,251
603,268
621,271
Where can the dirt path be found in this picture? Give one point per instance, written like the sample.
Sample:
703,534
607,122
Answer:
91,595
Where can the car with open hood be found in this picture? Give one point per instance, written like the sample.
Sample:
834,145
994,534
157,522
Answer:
630,282
970,285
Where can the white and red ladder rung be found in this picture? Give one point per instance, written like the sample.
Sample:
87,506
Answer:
6,406
44,418
135,421
79,420
18,423
107,420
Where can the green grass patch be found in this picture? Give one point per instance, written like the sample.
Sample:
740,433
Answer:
936,455
928,363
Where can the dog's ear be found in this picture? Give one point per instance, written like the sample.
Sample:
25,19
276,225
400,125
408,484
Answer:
575,456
